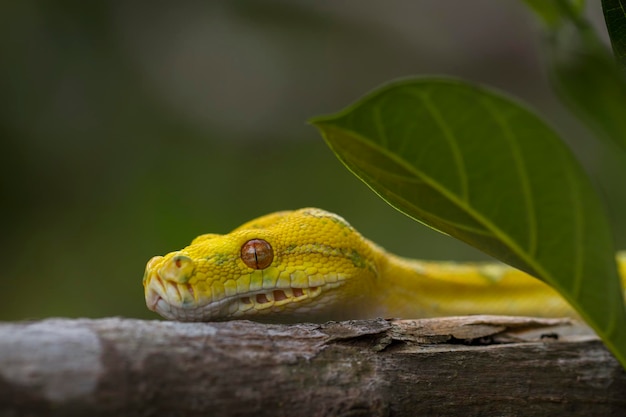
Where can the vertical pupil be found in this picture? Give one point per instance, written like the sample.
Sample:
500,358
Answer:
257,254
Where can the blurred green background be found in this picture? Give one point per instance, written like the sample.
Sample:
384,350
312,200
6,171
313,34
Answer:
128,128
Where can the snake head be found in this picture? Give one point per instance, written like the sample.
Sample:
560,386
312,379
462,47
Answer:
281,267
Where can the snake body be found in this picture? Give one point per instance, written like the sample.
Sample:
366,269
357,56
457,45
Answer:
311,265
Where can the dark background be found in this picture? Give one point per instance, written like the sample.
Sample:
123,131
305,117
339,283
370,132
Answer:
128,128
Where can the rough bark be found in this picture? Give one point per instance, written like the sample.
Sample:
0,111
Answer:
469,366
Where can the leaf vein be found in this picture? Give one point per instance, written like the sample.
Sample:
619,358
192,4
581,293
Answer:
520,166
452,142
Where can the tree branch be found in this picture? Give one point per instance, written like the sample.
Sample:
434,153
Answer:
470,366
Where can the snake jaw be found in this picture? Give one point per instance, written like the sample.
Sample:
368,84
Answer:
167,299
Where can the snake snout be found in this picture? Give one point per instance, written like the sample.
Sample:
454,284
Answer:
166,283
179,269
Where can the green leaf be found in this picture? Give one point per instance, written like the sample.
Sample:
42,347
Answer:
615,18
587,79
480,167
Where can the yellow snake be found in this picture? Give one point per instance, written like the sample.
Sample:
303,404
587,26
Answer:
311,265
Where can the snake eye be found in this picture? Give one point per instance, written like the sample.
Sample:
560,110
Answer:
257,254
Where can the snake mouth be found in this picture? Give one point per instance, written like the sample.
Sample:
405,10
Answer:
180,302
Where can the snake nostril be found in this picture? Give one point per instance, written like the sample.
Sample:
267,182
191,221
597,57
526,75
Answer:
178,269
181,260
